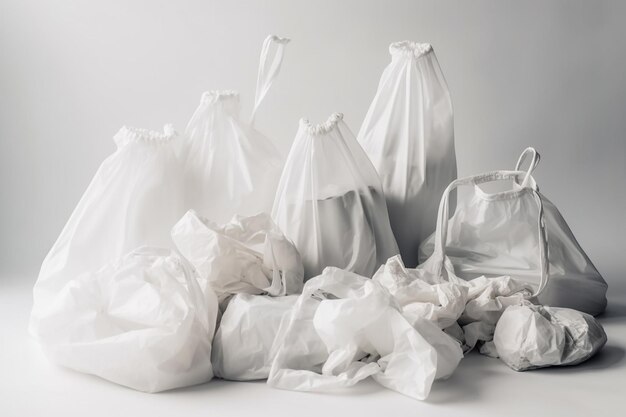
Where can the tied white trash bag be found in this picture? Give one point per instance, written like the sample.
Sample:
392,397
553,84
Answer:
140,321
408,133
529,337
492,234
134,199
330,203
345,328
242,347
230,167
246,255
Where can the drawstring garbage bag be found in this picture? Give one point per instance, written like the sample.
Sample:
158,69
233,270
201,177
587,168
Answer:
330,202
494,234
242,348
529,337
134,199
230,167
408,133
246,255
345,328
140,321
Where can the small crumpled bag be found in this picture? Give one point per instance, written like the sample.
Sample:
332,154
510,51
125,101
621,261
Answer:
493,234
247,255
230,167
408,133
134,199
531,336
330,202
242,347
141,321
346,327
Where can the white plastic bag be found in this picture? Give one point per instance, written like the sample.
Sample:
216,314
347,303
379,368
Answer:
134,199
330,203
247,255
231,168
140,321
242,348
529,337
345,328
494,234
408,133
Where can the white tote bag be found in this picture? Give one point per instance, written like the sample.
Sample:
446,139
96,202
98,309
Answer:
330,203
494,234
230,167
134,199
408,133
141,321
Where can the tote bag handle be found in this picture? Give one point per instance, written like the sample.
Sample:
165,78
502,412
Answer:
534,161
269,67
443,218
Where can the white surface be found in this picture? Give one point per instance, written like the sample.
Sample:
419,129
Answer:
31,386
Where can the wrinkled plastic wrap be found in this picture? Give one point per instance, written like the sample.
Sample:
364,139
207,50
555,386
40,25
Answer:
242,348
141,321
530,336
330,202
345,328
467,310
408,133
247,255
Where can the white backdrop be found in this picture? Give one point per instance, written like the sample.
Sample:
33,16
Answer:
547,74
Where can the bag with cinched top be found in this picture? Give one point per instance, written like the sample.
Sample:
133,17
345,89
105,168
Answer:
408,133
330,203
230,167
133,200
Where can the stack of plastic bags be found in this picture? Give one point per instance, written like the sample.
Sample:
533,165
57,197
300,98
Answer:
172,269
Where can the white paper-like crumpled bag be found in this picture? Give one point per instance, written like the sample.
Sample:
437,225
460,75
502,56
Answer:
242,347
408,133
345,328
141,321
247,255
330,202
134,199
230,167
494,234
529,337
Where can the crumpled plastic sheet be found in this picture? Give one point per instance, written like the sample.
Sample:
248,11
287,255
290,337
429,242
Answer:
466,310
248,255
345,328
141,321
243,342
531,336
